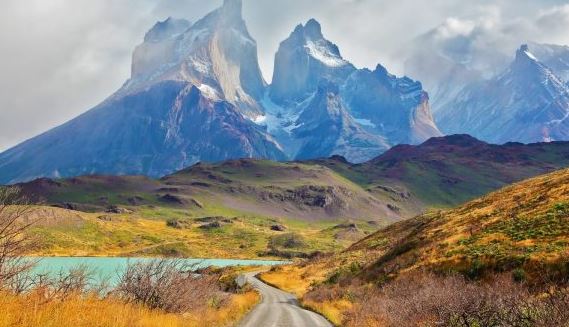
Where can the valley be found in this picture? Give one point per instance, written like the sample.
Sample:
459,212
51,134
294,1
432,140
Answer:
257,208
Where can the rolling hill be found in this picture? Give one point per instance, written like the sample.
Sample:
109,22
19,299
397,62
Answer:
521,230
247,203
405,181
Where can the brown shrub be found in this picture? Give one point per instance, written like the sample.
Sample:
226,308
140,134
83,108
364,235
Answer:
169,285
427,300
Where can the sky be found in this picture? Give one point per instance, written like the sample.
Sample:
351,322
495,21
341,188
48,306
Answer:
60,58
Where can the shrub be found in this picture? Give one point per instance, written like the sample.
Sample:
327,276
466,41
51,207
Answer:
168,285
424,299
519,275
287,241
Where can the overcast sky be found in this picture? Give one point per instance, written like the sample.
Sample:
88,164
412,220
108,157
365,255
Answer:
58,58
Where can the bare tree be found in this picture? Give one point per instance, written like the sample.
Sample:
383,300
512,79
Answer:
14,243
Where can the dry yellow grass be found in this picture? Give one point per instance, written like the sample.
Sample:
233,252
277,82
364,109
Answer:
30,311
332,310
292,279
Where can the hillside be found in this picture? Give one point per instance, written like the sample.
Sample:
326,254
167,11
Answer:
237,209
448,171
521,230
330,202
403,182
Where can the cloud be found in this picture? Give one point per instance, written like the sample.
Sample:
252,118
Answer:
62,57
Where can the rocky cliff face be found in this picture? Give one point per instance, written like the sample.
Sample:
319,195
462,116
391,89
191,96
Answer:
328,129
217,54
332,108
302,61
196,93
190,98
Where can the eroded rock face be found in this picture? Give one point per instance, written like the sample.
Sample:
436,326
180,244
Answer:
303,61
324,106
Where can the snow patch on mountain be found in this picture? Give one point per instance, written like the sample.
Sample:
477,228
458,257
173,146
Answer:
323,54
365,122
209,92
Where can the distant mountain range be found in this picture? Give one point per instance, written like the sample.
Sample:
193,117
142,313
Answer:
196,94
527,103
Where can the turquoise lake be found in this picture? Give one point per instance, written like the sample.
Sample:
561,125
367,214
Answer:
108,269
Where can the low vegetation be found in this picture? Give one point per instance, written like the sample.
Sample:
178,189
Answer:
158,293
501,260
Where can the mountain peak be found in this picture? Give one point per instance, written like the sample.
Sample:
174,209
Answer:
232,8
165,29
524,54
313,29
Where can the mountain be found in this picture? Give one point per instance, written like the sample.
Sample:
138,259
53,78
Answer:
303,61
447,58
450,170
196,94
556,57
328,128
374,109
527,103
192,92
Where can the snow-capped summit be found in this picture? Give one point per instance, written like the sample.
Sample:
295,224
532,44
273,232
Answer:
527,103
303,61
216,54
355,113
189,99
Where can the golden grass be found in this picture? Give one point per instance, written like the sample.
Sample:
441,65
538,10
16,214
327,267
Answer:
29,311
294,279
332,310
65,233
479,230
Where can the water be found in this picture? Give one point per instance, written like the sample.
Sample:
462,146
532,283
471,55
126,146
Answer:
109,269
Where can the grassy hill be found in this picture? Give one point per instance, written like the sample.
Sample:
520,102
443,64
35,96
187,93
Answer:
521,231
448,171
238,209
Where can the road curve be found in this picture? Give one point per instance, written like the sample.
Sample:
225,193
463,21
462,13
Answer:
279,309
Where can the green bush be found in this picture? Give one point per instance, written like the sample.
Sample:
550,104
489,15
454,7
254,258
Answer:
287,241
519,275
